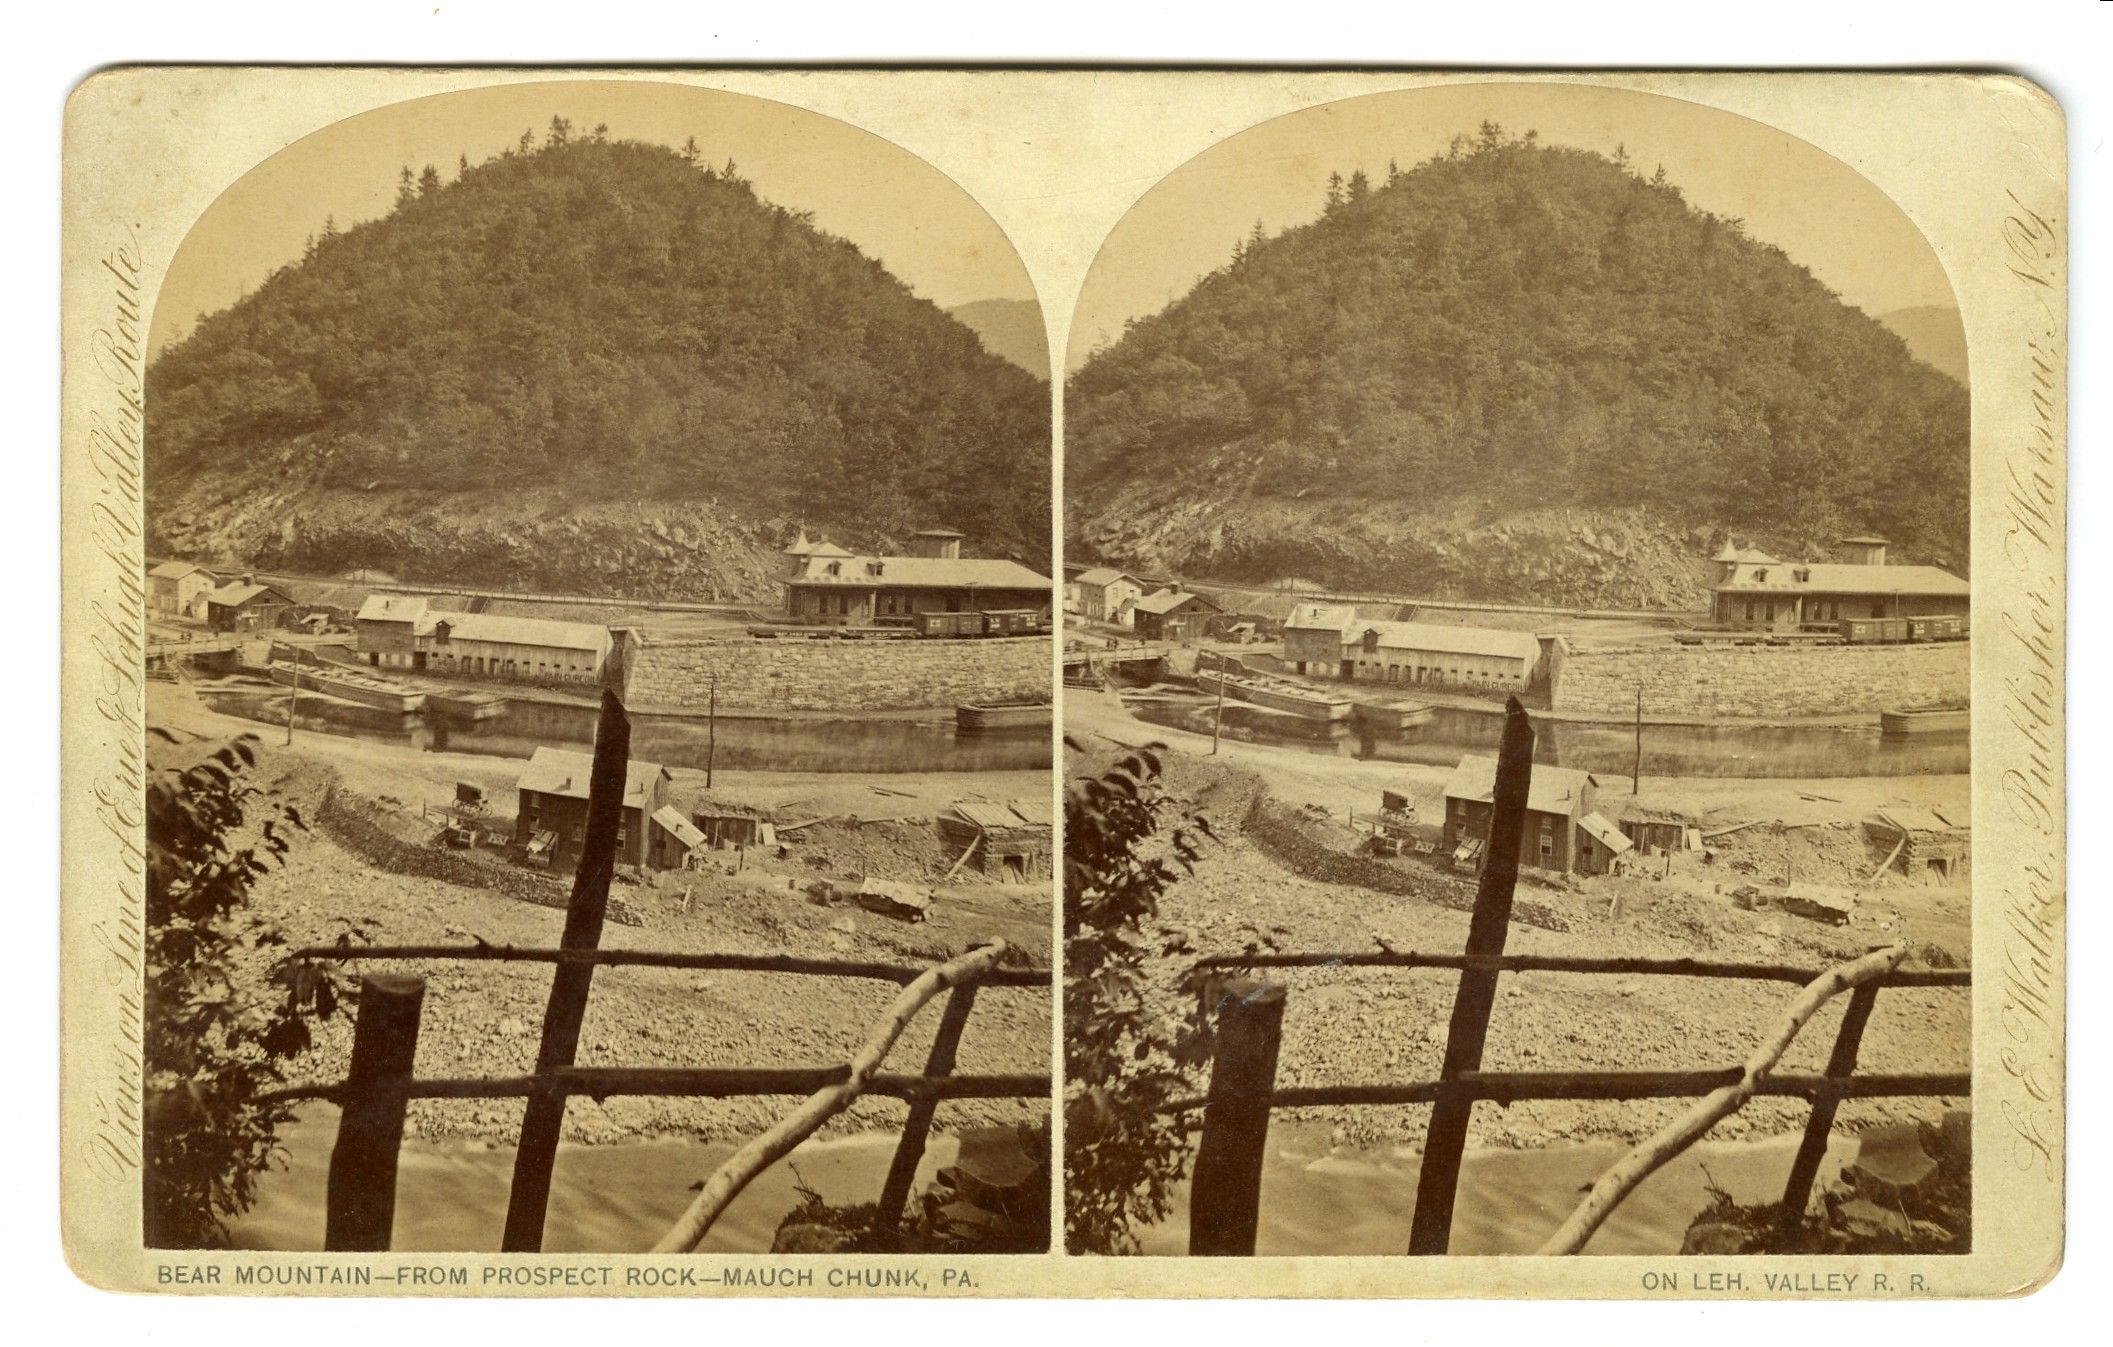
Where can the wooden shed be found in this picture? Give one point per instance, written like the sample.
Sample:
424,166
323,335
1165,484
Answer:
1923,841
1010,840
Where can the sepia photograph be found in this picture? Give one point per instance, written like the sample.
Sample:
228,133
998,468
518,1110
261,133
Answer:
598,702
1516,694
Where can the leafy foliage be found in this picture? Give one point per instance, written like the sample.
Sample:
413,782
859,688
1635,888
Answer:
615,321
1128,1051
1528,325
214,1044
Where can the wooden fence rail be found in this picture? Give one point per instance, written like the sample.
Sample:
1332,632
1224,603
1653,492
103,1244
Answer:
1225,1190
379,1084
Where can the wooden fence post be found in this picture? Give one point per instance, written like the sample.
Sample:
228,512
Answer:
909,1152
1438,1177
1797,1192
544,1117
1225,1189
361,1203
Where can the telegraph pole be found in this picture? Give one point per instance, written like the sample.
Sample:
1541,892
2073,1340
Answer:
1636,776
1218,715
711,730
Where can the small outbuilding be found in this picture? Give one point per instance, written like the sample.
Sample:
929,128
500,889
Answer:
1174,615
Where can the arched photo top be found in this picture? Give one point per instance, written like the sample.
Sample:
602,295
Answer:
1547,343
576,335
1788,192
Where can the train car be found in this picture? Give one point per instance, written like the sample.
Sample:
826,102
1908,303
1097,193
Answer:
1947,627
949,626
1011,622
1874,630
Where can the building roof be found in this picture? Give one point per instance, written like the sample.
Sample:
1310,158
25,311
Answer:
234,596
1917,818
1554,790
393,608
174,570
559,771
537,631
1172,600
992,814
918,573
1103,576
1446,639
683,831
1335,617
1606,834
1821,577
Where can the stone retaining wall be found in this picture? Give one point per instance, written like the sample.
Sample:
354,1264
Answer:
837,675
1759,681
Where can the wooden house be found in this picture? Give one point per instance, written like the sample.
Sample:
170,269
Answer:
671,839
1564,830
178,589
246,606
1174,614
551,822
1106,595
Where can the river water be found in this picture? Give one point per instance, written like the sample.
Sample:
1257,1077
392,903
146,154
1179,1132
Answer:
1802,751
451,1195
1316,1199
1321,1200
744,743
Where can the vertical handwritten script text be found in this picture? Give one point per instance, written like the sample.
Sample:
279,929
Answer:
2030,766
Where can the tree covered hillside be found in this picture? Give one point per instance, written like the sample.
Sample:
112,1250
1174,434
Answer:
1503,329
598,325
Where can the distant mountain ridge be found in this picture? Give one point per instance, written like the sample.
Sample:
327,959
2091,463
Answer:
1010,328
1508,344
595,363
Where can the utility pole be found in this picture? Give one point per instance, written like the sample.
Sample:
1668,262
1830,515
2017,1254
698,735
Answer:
711,730
1636,776
1218,715
293,701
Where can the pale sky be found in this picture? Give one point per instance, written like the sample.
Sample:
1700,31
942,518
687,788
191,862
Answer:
1817,209
893,205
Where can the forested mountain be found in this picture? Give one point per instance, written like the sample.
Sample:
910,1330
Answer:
600,341
1011,328
1513,372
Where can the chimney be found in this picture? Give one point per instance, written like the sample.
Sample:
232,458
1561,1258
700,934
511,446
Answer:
942,543
1867,550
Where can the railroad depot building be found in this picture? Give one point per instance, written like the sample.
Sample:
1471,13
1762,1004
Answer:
177,589
829,587
1755,591
1330,640
1174,614
1106,595
551,821
386,629
1564,830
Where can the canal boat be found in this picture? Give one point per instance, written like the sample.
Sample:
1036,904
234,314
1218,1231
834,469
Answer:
974,718
351,685
1392,717
1271,692
471,706
1925,720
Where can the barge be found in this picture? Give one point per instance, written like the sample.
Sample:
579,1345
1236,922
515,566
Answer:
1237,681
351,685
972,718
1927,720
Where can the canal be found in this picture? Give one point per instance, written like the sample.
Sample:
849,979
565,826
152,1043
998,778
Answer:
743,743
1801,751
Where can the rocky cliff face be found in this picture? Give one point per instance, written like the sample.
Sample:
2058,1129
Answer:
1566,557
685,550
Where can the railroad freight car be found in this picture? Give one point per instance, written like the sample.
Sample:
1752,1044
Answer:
1948,627
1874,630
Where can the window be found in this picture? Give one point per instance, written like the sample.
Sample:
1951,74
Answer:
1547,840
1749,610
